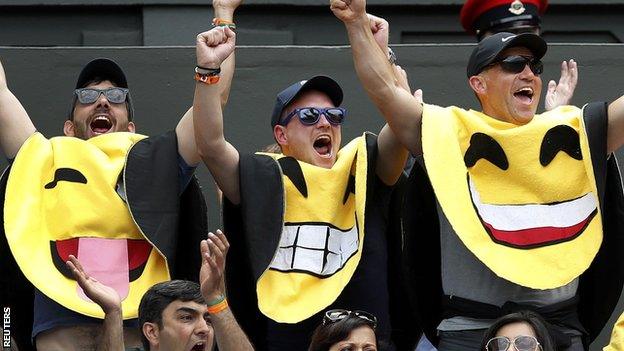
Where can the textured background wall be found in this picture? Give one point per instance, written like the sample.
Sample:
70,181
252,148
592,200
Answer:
162,86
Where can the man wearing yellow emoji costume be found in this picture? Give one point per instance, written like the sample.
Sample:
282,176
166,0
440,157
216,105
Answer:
524,221
307,226
116,200
98,194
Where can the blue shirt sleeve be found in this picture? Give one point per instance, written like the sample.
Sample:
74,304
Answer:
185,173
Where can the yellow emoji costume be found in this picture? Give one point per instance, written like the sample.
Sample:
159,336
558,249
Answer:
522,198
321,241
300,232
539,205
106,201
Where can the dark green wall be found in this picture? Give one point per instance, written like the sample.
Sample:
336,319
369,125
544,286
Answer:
162,86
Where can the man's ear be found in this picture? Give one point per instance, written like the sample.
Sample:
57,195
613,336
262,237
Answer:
478,84
150,331
279,133
68,128
131,127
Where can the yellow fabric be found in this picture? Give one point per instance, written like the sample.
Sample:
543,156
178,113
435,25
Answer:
446,137
290,297
617,336
35,216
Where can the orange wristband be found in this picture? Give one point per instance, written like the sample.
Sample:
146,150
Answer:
214,309
219,22
207,79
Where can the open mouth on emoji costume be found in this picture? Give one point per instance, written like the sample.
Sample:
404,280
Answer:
534,225
113,262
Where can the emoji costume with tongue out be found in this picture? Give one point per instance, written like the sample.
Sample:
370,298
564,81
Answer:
67,196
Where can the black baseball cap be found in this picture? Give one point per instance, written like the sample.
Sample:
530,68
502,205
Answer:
104,69
489,49
323,84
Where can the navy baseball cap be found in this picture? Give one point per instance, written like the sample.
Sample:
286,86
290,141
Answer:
489,49
323,84
104,69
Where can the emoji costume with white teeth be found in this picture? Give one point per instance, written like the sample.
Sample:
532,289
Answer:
305,242
535,212
112,201
522,198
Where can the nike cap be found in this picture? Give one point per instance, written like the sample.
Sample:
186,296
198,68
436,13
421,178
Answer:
489,49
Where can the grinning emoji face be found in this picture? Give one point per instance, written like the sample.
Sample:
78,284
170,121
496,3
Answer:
321,241
63,199
521,198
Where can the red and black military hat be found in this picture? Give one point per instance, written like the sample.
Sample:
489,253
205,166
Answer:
479,16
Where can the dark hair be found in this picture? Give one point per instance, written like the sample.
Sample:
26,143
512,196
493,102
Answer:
531,318
159,296
98,80
329,334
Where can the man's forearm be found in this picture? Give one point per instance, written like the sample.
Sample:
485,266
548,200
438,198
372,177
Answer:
227,67
15,125
229,335
111,338
371,63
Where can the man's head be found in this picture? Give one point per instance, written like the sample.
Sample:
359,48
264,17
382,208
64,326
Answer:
173,316
306,120
504,72
101,102
486,17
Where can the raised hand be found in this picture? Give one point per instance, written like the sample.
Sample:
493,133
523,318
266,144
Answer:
213,252
560,94
348,10
381,31
105,296
214,46
226,4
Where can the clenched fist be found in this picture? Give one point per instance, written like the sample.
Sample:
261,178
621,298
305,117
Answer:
348,10
214,46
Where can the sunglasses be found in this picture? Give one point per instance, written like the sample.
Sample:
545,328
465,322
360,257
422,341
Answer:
516,64
311,115
520,343
333,316
90,95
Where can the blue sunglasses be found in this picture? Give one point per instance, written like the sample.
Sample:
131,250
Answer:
311,115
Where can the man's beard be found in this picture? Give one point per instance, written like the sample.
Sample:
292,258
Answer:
80,130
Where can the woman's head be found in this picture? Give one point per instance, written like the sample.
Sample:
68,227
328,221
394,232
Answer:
525,330
345,330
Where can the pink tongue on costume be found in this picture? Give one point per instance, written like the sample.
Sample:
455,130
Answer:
107,261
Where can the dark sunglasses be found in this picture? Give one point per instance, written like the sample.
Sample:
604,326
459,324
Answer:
520,343
515,64
311,115
90,95
333,316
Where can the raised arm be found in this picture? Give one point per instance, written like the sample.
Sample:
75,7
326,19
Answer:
615,129
107,298
221,158
397,105
229,335
15,125
392,154
224,10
